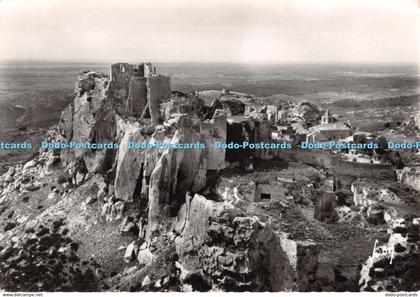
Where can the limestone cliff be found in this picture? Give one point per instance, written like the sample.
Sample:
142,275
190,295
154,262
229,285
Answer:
214,241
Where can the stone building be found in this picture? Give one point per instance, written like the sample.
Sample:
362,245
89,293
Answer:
328,132
133,87
327,118
273,114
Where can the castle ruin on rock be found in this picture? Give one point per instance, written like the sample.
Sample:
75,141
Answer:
136,87
218,219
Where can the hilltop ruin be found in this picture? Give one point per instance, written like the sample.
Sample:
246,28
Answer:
137,87
164,219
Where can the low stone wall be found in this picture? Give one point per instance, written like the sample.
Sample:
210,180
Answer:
337,166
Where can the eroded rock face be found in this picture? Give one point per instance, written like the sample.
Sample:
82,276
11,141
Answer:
131,164
91,98
159,176
175,173
65,126
90,119
228,250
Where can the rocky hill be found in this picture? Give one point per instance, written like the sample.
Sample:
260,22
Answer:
118,218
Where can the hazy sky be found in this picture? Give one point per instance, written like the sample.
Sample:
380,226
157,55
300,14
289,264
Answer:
211,30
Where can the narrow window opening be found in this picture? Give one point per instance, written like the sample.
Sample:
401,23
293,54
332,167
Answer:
265,196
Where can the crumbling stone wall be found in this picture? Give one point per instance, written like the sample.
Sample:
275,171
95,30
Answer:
336,165
137,96
121,74
149,70
132,87
158,91
273,114
274,189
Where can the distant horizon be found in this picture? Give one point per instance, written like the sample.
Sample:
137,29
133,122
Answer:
70,60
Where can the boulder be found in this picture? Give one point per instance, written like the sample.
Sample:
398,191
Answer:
128,225
90,200
130,252
112,210
9,174
146,282
80,178
32,186
145,257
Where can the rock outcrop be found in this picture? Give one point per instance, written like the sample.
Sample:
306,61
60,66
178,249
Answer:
409,176
375,201
229,250
366,193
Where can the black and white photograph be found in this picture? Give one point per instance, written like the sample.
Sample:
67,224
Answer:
214,146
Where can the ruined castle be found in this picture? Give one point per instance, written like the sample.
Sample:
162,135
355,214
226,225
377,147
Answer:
139,89
198,219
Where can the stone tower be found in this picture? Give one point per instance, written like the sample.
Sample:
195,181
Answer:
327,118
135,87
